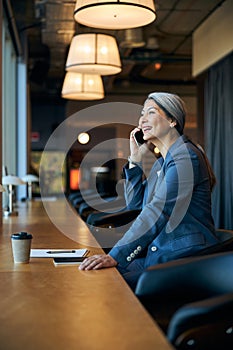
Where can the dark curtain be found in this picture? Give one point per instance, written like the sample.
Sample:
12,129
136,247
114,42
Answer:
219,138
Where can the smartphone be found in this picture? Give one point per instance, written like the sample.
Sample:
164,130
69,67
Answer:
138,136
69,261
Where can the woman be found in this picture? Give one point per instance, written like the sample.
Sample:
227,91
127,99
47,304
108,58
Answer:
175,220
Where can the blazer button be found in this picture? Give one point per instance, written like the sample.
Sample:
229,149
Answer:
132,255
139,248
135,251
154,248
128,258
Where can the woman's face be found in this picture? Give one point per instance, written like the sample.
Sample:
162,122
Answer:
154,122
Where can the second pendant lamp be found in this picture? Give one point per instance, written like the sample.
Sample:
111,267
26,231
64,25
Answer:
94,53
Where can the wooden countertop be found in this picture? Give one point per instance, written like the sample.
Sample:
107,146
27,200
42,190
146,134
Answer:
63,308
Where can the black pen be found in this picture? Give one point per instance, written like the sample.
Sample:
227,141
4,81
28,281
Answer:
60,251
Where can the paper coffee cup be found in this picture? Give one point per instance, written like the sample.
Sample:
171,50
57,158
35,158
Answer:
21,247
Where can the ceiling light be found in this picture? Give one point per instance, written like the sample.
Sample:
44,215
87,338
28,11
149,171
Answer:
83,138
114,14
158,65
94,53
79,86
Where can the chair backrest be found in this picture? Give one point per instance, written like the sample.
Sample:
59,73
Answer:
207,324
225,243
202,276
166,287
224,235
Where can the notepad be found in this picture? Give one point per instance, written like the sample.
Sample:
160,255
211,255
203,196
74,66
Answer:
56,253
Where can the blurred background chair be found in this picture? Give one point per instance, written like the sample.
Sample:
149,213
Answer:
109,205
106,214
183,296
109,228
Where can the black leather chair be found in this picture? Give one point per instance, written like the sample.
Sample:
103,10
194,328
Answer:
118,219
205,324
225,243
86,197
183,296
78,196
109,228
110,203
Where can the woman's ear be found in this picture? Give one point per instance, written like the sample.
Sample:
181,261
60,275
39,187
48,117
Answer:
173,124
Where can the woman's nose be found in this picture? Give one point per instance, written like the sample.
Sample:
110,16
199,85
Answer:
142,120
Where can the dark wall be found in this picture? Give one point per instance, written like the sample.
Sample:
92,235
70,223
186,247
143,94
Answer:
46,116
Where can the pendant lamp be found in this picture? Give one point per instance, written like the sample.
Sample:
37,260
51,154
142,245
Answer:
77,86
94,53
114,14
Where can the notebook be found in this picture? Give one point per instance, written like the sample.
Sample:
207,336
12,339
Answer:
56,253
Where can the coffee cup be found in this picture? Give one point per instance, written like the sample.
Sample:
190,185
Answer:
21,247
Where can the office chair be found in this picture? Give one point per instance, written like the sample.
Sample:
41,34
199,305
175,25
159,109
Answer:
104,219
225,243
205,324
109,228
84,197
77,195
109,204
166,291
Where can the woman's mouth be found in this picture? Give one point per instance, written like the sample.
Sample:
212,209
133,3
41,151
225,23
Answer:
146,129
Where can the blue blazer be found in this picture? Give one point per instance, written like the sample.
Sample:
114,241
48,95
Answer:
175,199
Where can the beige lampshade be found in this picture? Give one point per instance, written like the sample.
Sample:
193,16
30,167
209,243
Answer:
30,178
12,180
77,86
2,189
94,53
114,14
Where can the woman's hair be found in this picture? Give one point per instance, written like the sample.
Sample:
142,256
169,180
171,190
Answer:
212,177
173,106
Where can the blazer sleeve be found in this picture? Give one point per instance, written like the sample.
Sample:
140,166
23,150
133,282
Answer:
134,187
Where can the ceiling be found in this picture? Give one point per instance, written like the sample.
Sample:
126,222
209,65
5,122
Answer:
48,27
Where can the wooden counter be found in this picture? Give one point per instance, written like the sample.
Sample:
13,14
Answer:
62,308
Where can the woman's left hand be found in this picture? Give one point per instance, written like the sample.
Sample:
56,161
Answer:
96,262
